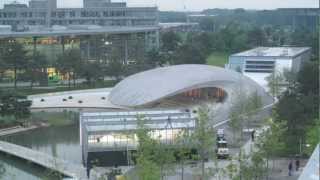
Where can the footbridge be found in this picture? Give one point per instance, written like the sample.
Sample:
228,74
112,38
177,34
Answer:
69,169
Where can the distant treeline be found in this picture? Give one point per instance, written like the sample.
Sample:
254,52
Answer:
307,17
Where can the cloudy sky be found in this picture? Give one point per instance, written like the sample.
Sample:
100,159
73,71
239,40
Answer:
191,5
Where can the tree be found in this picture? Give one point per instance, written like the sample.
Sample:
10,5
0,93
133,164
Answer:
164,158
299,106
155,58
189,54
253,106
147,168
312,137
242,111
271,142
14,56
252,167
202,41
204,137
92,72
275,80
13,104
237,115
208,24
70,63
170,41
115,69
183,146
36,68
257,37
308,78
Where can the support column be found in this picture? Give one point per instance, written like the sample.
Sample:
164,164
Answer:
62,43
88,47
34,45
157,39
146,44
126,49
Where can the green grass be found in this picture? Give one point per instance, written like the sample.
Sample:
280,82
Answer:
55,118
218,59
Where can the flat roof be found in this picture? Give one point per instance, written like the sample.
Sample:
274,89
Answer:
70,32
273,52
176,24
96,123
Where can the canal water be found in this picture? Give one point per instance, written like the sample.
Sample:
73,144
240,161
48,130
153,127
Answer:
58,141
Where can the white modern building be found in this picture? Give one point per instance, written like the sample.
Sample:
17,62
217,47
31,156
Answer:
261,62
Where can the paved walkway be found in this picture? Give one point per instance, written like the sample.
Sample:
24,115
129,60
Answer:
18,129
69,169
94,98
280,170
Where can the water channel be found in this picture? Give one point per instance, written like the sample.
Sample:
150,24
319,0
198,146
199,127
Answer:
58,141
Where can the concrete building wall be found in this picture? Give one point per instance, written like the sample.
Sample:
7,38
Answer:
283,64
300,60
109,14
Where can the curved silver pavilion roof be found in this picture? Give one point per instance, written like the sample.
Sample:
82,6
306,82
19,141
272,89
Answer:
151,86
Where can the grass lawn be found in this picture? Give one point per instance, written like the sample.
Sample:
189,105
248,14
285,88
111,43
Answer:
218,59
55,118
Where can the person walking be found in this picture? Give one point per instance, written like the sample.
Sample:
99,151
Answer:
253,135
290,168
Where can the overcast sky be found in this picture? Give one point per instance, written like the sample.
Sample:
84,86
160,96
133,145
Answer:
191,5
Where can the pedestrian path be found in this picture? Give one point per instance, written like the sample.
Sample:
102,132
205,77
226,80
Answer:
17,129
76,171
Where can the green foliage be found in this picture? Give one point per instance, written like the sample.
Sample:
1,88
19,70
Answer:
70,63
115,69
188,54
203,137
92,72
218,59
35,70
155,58
275,80
147,169
312,138
242,111
13,56
271,141
153,157
252,168
257,37
299,106
207,24
13,104
170,41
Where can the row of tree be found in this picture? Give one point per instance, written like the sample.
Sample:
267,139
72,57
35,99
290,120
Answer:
31,66
14,109
298,107
195,47
156,159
